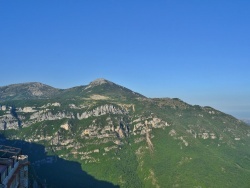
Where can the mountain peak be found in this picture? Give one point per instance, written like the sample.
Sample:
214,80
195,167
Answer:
99,81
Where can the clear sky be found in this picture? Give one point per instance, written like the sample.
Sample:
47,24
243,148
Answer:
198,51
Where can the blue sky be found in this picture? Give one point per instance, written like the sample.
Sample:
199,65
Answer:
198,51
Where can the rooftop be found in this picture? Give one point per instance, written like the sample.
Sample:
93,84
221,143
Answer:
7,151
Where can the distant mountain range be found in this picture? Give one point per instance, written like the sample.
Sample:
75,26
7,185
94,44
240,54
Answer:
247,121
105,135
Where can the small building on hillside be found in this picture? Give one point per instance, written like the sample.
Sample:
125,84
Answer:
13,168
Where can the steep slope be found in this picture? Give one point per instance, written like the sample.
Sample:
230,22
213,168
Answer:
100,87
122,137
110,89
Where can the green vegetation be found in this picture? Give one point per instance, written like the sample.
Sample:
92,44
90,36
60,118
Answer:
143,143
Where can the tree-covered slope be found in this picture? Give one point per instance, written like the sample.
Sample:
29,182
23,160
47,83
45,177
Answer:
124,138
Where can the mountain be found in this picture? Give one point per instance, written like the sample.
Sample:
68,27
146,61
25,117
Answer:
32,90
36,90
123,138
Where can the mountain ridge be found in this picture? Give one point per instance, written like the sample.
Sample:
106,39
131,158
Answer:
37,90
122,137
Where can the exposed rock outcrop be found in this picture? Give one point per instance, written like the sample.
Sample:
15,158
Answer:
101,110
41,116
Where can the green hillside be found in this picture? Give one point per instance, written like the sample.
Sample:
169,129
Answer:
105,135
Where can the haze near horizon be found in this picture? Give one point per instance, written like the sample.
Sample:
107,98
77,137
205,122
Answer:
195,51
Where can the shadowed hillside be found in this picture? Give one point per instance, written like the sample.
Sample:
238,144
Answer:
53,171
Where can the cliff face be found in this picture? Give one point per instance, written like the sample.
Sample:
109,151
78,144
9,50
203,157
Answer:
31,115
123,137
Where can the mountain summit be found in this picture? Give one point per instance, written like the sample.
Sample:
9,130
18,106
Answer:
99,81
122,137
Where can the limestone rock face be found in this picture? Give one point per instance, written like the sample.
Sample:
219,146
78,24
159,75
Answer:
8,121
101,110
3,108
121,133
56,104
65,126
35,115
50,116
28,109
